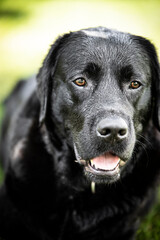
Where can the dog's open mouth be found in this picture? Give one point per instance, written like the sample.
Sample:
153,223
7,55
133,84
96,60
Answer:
106,164
104,168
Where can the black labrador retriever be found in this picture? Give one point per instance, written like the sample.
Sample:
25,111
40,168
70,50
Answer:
80,142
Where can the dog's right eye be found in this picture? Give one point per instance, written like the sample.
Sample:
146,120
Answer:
81,82
135,84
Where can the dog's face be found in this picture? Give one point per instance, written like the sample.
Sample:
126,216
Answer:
101,98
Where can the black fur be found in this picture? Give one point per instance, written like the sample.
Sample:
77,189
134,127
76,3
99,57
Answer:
46,194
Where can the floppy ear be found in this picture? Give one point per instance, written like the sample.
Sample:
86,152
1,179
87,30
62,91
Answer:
156,113
155,71
46,75
155,75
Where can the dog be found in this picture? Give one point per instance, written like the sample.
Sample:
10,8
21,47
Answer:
80,141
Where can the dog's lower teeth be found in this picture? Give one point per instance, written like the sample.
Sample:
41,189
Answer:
122,163
93,165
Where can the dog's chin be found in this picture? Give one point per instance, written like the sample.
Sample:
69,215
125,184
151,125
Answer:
103,179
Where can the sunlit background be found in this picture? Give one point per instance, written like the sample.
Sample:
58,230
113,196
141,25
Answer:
28,28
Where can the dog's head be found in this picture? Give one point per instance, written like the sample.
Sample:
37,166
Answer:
101,88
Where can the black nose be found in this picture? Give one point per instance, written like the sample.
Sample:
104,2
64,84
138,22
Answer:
112,129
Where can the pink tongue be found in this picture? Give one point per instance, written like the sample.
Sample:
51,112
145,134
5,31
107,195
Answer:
107,161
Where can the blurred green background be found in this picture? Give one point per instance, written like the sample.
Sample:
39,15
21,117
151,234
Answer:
28,27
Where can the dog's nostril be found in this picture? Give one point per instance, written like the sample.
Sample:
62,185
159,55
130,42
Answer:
122,132
105,131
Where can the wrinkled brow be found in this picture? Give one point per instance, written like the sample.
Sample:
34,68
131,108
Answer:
126,72
92,70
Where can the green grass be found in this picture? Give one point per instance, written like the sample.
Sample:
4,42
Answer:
150,226
1,175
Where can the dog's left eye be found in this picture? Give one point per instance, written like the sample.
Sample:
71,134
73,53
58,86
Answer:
81,82
134,85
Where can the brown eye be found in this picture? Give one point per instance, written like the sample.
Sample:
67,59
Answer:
135,84
81,82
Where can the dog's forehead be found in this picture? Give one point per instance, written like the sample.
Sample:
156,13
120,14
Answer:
94,45
104,48
99,45
98,41
94,33
108,34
